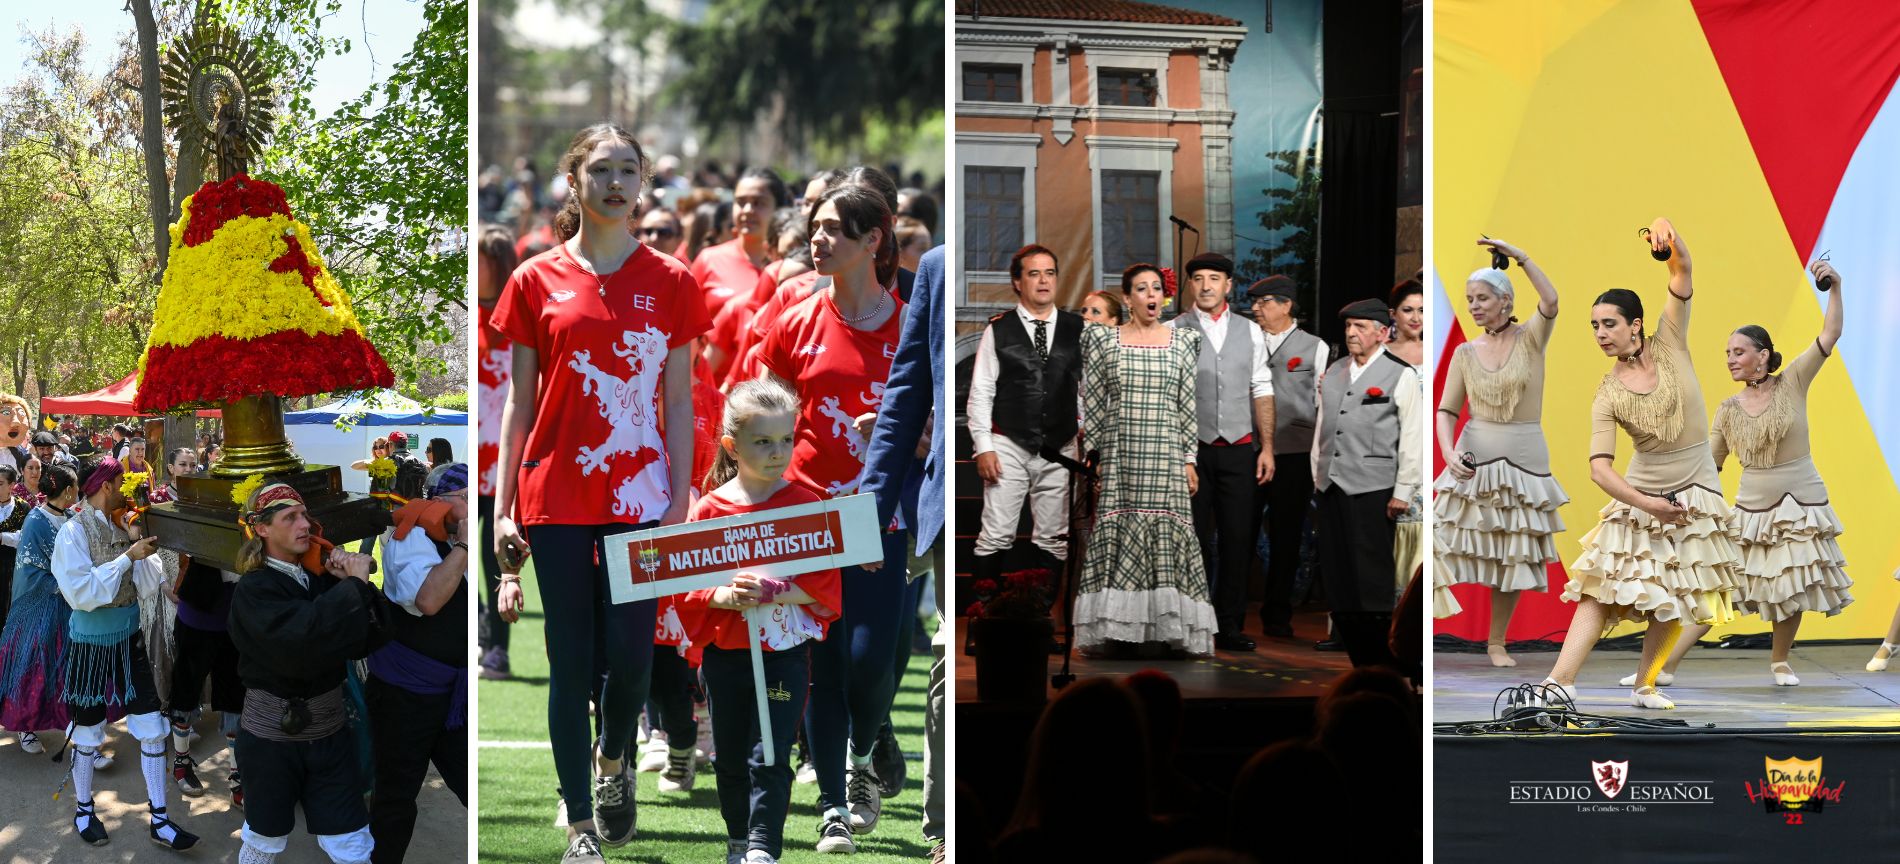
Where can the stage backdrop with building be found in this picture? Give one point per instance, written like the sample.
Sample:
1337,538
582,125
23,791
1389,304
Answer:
1767,133
1085,126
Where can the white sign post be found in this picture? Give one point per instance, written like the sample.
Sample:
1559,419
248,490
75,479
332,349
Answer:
777,544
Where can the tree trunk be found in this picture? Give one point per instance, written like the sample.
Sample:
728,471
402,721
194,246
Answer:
152,135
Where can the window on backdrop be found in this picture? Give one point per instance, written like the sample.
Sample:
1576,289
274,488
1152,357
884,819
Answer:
993,217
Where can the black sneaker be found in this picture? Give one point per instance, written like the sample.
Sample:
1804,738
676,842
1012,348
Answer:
185,774
887,756
834,836
166,833
88,825
614,809
583,849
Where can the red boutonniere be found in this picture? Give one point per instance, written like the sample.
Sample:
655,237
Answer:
1167,281
1374,392
1292,364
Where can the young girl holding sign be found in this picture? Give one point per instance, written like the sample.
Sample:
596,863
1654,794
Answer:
755,447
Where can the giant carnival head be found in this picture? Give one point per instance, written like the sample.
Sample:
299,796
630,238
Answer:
16,421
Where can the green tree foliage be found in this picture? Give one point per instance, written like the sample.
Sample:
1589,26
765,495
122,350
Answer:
1295,216
829,70
75,242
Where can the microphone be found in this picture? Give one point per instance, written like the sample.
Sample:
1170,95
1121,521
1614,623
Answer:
1182,225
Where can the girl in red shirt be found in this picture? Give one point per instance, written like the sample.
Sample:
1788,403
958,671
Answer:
755,448
834,349
601,327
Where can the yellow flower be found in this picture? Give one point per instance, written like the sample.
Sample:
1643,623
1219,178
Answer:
383,468
131,482
241,493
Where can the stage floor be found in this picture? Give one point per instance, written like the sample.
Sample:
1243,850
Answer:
1277,669
1725,688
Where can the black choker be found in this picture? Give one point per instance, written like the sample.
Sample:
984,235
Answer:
1634,355
1759,381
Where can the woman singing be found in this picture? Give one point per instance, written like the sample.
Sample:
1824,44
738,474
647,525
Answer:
1143,579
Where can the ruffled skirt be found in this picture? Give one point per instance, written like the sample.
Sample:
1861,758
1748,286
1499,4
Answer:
33,662
1143,581
1791,561
1496,529
1643,569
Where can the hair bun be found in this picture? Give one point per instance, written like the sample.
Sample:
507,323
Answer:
1774,360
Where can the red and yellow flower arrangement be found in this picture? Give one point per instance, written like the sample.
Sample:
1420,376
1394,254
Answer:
248,308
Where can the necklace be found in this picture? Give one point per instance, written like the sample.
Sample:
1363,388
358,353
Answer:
1759,381
882,297
1634,355
599,280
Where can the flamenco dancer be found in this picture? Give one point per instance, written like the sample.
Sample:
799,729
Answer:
1495,514
1663,551
1791,562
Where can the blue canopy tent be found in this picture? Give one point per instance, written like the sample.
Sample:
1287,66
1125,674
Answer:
317,439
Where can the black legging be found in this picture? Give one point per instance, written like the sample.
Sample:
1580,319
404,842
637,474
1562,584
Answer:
493,632
580,620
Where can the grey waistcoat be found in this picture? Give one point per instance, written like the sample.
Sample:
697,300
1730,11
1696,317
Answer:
1361,450
1294,398
1223,383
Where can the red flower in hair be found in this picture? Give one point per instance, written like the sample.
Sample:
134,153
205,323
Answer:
1167,281
1374,392
1292,364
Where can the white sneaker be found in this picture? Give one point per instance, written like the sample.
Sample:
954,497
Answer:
560,813
646,732
705,743
30,744
681,769
759,856
1663,679
653,755
807,771
584,849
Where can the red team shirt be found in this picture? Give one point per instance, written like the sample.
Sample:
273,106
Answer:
838,372
595,455
724,272
789,624
786,296
495,361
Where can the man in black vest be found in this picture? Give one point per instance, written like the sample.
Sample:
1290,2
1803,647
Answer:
418,684
1023,405
1233,404
1296,359
1365,466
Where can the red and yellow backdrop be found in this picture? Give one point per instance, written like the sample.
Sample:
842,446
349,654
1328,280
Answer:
1769,133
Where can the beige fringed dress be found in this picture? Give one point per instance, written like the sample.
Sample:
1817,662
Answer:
1791,562
1495,528
1636,565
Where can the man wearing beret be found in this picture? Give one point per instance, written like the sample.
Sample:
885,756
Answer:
1365,466
1233,404
1295,358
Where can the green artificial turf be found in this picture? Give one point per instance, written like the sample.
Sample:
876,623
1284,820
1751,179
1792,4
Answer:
517,797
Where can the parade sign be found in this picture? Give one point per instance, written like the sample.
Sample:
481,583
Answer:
780,543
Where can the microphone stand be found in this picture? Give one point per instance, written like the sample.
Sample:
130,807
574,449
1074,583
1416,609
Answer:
1082,479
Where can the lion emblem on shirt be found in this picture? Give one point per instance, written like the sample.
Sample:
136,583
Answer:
629,405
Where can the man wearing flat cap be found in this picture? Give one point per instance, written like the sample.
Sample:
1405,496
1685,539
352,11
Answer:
1365,466
1296,360
1233,405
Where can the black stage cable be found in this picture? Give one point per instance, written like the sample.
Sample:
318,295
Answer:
1545,709
1447,644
